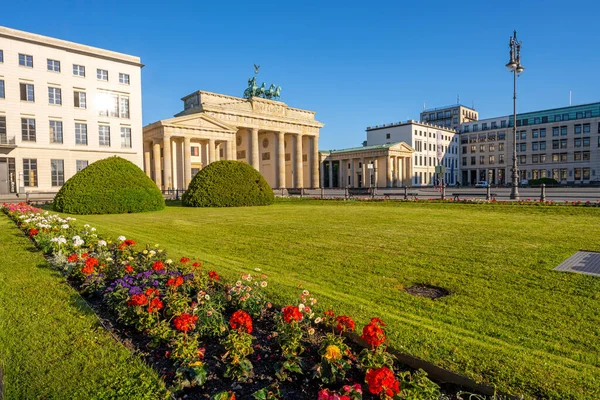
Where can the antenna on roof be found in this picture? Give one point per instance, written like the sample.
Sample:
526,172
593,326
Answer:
424,104
473,104
570,96
458,99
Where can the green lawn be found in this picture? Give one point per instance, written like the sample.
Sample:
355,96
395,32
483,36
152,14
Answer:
51,344
510,320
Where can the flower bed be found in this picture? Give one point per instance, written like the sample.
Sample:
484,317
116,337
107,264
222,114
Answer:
210,337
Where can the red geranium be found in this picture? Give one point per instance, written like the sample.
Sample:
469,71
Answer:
291,313
373,332
175,282
185,322
213,275
33,232
129,242
85,255
155,305
90,263
197,265
152,292
184,260
382,381
158,266
128,269
138,300
72,258
241,321
344,323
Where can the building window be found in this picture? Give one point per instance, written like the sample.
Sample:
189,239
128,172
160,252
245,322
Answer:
543,132
586,174
534,159
484,126
81,133
522,147
124,107
565,117
492,147
523,159
563,174
125,137
387,135
563,143
27,92
473,148
475,128
492,159
555,131
586,128
577,142
481,148
523,135
501,158
80,164
534,146
196,152
586,155
28,129
466,129
25,60
557,118
542,158
53,65
577,129
102,74
503,124
464,161
536,120
482,160
472,160
501,146
563,157
29,172
563,131
56,132
555,157
3,127
542,145
57,170
78,70
104,135
54,96
80,100
577,156
586,142
534,133
124,78
1,56
2,93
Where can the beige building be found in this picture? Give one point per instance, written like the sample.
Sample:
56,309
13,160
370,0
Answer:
384,165
279,141
450,117
63,106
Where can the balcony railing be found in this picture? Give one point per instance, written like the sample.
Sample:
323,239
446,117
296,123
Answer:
7,141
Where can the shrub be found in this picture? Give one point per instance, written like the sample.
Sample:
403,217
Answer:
547,181
228,184
109,186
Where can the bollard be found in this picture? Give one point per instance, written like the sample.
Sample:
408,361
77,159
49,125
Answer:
488,195
405,193
346,193
321,193
443,192
543,196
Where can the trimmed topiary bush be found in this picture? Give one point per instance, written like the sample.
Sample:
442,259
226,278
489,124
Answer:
547,181
109,186
228,184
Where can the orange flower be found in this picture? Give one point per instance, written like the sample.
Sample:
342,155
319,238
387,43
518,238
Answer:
158,266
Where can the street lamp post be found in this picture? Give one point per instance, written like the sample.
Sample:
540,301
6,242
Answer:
514,66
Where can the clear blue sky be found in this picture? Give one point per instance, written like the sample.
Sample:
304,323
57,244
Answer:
355,64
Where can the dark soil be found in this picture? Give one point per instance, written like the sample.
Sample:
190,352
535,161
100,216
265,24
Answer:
430,292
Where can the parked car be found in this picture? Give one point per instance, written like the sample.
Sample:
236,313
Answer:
482,184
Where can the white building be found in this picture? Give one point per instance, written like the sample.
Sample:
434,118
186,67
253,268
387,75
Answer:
63,106
433,146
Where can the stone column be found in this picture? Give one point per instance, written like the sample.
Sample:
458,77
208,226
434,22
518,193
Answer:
375,172
408,170
352,173
399,171
330,174
281,160
298,173
322,174
315,162
388,166
167,164
364,173
147,165
211,151
157,164
187,162
254,146
342,178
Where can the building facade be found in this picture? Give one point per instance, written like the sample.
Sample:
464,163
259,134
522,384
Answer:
450,116
63,106
279,141
560,143
433,146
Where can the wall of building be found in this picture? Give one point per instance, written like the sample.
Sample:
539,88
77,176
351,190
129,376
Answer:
42,149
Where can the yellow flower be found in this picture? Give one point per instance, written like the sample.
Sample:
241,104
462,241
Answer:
333,352
196,364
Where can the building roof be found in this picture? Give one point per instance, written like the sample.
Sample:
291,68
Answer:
409,122
447,107
363,148
65,45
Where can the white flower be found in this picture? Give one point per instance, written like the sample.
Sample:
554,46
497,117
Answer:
65,226
318,320
169,261
78,242
86,225
257,269
101,243
62,240
301,307
207,297
145,251
108,259
263,284
121,238
152,253
305,293
93,229
238,283
54,240
311,331
159,250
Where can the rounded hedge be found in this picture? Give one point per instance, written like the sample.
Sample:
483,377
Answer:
109,186
228,184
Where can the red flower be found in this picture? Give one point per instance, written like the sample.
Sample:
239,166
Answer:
197,265
158,266
213,275
291,313
185,322
382,380
73,258
152,292
155,305
344,323
85,255
373,334
184,260
138,300
241,321
90,263
329,313
175,282
33,232
128,269
129,242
